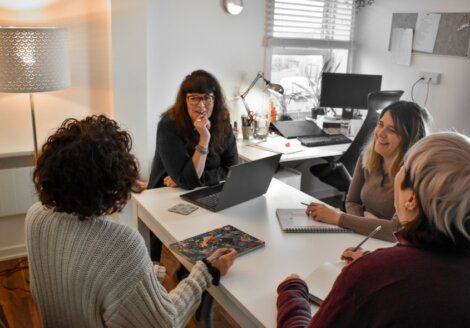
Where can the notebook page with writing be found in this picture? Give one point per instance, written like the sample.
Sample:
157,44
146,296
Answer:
321,280
295,220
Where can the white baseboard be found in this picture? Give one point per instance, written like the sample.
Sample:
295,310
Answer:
13,252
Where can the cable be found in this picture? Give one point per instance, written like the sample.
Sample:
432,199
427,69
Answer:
427,92
413,87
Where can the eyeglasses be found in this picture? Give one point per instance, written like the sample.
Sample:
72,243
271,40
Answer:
194,100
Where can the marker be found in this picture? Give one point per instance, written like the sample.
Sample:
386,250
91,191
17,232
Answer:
367,238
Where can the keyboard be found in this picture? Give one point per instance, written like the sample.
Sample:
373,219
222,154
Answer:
332,139
210,200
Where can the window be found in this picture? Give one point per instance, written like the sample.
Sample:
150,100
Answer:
305,38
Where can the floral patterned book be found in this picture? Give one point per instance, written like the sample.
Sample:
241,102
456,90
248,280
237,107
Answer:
201,246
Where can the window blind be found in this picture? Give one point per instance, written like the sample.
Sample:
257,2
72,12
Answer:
323,20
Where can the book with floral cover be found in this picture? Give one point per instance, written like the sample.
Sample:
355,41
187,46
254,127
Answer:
201,246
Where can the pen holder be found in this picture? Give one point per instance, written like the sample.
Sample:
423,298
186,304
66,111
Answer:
247,129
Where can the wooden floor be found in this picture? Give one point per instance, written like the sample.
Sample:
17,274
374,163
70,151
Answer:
15,297
21,311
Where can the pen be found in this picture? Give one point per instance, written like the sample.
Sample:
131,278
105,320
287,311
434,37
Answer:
304,203
367,238
221,254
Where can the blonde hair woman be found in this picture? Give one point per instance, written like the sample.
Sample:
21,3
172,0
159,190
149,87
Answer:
423,280
369,202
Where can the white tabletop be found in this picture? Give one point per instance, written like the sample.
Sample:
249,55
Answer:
248,291
249,153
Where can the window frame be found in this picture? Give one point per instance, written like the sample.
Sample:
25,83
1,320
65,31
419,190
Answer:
302,46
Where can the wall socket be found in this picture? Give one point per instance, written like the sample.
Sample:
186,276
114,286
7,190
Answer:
433,78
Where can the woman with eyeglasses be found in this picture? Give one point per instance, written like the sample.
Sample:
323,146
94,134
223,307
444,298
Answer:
369,202
423,280
195,143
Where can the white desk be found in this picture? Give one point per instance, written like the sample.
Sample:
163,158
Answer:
248,291
249,153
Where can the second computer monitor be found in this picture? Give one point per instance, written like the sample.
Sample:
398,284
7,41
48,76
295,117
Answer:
348,90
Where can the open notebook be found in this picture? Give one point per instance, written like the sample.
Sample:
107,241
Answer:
295,220
321,280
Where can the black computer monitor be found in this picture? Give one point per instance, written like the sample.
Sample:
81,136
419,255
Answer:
348,90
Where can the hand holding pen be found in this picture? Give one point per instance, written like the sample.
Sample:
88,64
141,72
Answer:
322,213
353,253
223,259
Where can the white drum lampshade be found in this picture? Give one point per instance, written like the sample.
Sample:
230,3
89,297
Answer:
33,59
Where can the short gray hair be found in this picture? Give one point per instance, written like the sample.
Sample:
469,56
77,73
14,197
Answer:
439,172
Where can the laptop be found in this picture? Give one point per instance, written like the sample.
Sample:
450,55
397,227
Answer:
244,182
294,129
308,133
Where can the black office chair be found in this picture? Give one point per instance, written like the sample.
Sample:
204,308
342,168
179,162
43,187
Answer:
337,172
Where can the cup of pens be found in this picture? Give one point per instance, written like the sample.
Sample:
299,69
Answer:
247,129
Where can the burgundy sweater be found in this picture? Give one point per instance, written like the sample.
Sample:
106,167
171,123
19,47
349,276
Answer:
401,286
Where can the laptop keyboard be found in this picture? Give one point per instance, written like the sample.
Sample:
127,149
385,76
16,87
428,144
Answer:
210,200
333,139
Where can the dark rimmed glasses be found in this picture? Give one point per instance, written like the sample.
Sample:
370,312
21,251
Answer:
206,99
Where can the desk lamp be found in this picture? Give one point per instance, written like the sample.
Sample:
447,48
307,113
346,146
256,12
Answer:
275,88
33,59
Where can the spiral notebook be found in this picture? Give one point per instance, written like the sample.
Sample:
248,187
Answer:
295,220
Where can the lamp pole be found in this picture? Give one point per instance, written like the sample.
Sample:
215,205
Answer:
33,120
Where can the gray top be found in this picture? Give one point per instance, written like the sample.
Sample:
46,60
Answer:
369,191
97,273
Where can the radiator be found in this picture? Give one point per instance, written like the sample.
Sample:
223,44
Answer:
17,192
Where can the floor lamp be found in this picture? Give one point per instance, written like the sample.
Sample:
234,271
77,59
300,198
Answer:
33,59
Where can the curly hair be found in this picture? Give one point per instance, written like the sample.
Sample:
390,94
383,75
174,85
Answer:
201,81
86,168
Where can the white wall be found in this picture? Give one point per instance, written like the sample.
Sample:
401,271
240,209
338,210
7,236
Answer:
448,101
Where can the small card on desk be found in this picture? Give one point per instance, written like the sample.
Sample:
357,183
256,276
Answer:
182,208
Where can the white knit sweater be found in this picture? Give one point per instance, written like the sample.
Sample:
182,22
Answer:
97,273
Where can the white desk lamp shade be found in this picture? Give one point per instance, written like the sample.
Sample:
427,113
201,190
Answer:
33,59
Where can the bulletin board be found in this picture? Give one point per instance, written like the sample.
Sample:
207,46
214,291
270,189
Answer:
450,40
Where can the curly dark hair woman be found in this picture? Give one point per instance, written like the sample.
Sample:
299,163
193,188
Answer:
86,269
86,168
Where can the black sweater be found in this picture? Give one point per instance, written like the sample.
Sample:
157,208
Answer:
173,157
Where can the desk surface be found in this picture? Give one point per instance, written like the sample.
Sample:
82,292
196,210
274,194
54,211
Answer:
248,291
249,153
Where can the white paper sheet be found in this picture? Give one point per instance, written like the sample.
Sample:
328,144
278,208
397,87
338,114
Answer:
402,40
426,32
278,145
